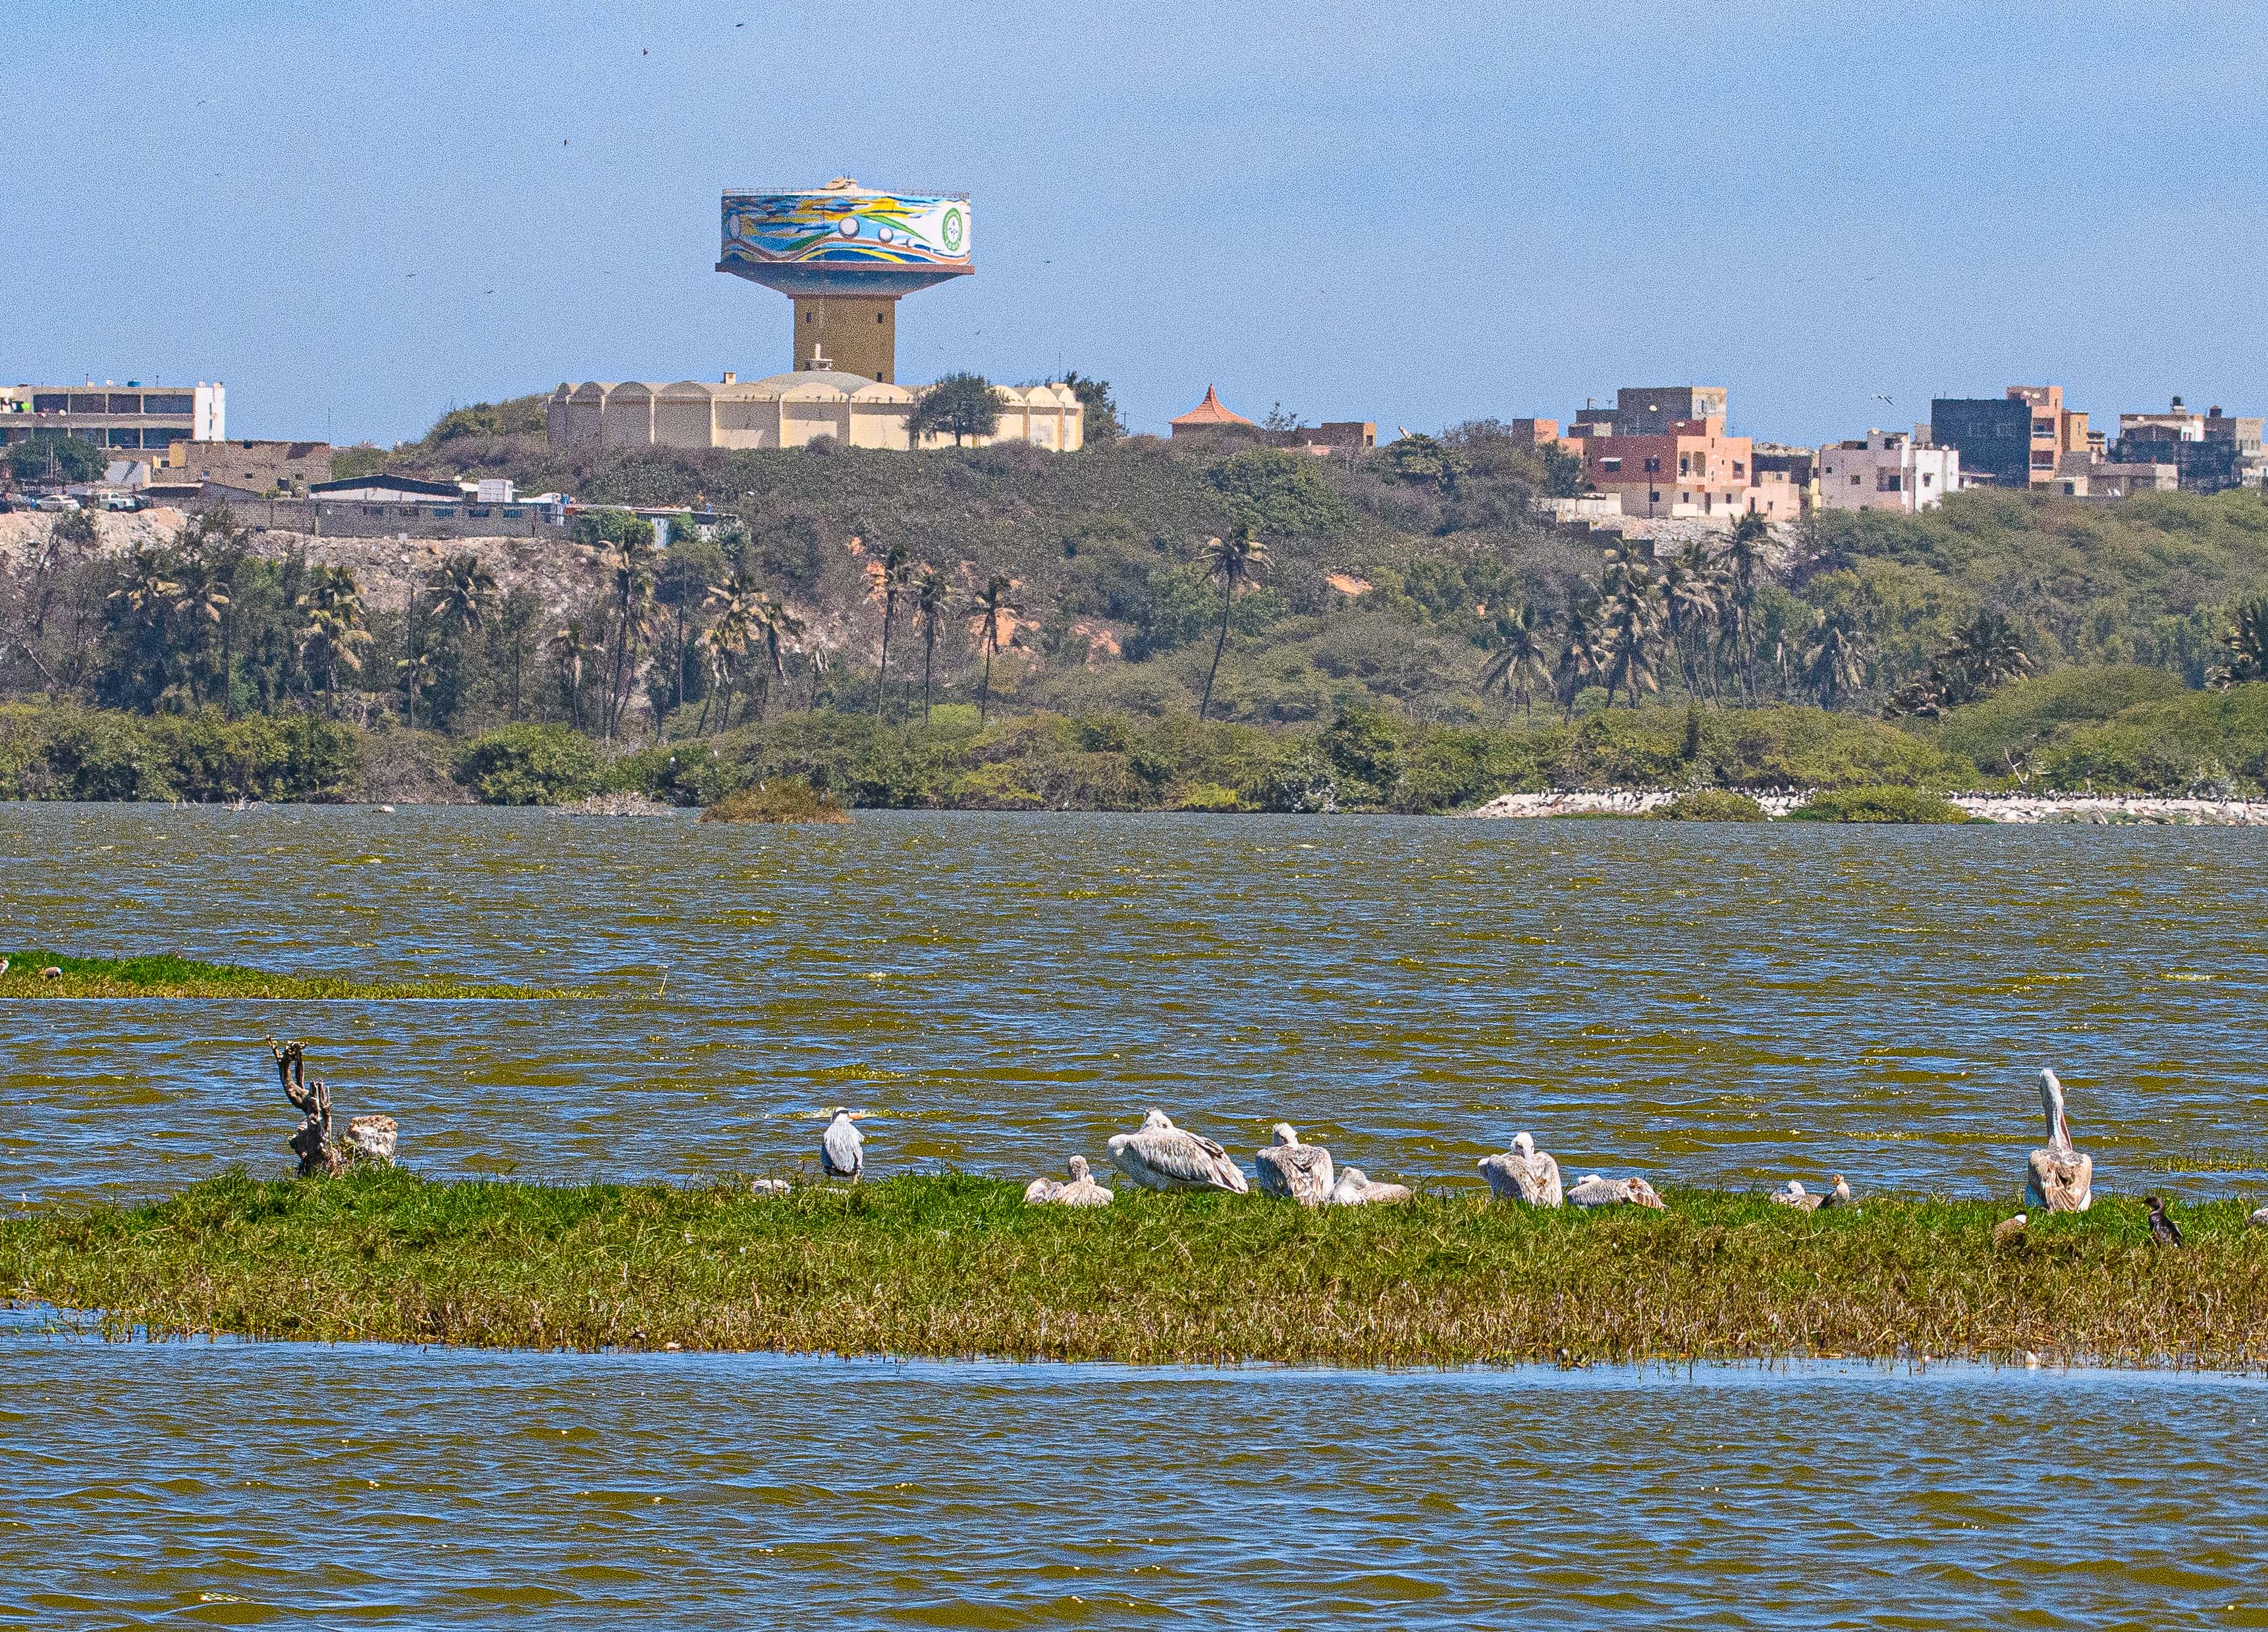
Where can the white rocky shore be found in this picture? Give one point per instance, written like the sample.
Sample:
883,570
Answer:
2017,809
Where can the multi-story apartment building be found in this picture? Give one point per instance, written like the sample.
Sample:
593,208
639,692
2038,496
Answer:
2016,441
1690,468
1889,470
133,416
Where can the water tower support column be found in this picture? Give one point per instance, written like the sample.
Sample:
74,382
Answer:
857,334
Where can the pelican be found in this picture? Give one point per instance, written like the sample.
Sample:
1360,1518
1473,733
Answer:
1595,1190
2009,1232
1301,1173
1523,1173
51,973
769,1187
1356,1188
2259,1219
371,1139
3,965
2058,1178
1160,1157
2163,1230
1082,1191
842,1149
1838,1194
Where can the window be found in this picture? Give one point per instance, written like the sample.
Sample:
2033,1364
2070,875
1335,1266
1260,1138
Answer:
125,439
50,403
1653,464
881,317
1926,478
1613,464
1653,498
511,513
444,510
1684,464
182,404
1740,467
1858,481
2044,428
88,404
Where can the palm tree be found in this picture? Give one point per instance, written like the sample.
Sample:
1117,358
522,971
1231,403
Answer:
897,574
932,598
1989,654
1229,562
1689,591
1580,660
333,609
990,607
2246,644
463,591
770,623
1517,658
1835,662
631,560
417,672
569,649
1630,638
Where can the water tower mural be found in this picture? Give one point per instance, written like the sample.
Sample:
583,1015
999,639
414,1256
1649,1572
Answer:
846,255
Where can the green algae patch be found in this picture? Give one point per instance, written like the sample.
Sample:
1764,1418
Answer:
166,975
958,1266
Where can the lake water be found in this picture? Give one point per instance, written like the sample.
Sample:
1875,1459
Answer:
1719,1005
1724,1005
257,1484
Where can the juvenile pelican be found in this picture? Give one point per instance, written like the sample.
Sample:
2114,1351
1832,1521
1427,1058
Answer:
1838,1194
1595,1190
1301,1173
1082,1191
1524,1173
842,1148
1356,1188
1794,1194
2058,1178
1160,1157
2009,1232
2163,1230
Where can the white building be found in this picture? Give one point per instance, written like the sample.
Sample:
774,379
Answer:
133,416
1889,470
789,410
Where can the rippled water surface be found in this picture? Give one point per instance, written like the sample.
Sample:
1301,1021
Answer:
1716,1005
248,1484
1721,1004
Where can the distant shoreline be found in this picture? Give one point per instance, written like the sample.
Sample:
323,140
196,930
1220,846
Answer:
2012,809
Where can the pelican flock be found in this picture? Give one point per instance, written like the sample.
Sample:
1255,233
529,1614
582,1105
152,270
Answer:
2057,1177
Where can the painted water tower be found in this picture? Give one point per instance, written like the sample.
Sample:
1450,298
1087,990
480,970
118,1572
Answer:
847,255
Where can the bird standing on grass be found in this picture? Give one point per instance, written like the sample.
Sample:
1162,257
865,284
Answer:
2057,1177
1299,1172
842,1149
2163,1230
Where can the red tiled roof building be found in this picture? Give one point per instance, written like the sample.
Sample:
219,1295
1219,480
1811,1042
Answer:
1206,415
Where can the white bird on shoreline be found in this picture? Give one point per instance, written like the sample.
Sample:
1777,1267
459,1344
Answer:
1082,1191
1794,1194
1297,1172
842,1148
1595,1190
2057,1177
1356,1188
1523,1173
2259,1219
1158,1155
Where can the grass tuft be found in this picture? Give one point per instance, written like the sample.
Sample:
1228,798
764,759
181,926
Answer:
958,1266
166,975
786,799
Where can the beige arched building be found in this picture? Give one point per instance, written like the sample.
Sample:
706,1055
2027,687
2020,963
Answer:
788,411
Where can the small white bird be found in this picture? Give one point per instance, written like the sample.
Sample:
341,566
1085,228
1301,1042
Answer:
769,1187
2258,1219
1838,1192
1356,1188
1299,1172
1523,1174
1794,1194
1158,1155
1082,1191
2057,1177
1594,1190
842,1148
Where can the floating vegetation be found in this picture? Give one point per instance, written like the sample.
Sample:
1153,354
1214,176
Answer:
785,799
954,1265
38,973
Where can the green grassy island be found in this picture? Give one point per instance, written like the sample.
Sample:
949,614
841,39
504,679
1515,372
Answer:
166,975
958,1266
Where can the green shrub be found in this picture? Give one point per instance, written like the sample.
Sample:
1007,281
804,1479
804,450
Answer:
1210,796
1879,804
1711,805
790,799
528,765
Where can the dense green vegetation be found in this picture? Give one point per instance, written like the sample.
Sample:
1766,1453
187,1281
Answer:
166,975
959,1266
791,798
1140,582
1903,805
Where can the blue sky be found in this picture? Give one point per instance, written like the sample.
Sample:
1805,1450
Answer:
1411,215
